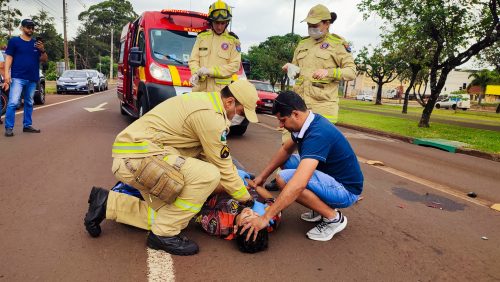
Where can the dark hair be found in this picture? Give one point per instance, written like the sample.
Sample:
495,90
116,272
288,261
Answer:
287,102
226,92
251,246
333,16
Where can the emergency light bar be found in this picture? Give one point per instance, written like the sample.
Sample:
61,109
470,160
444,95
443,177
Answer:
175,11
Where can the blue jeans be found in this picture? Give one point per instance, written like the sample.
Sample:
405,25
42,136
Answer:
27,89
329,190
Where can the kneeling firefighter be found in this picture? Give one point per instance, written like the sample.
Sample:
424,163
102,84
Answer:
176,155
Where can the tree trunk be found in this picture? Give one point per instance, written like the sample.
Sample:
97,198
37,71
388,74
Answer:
436,87
379,92
407,92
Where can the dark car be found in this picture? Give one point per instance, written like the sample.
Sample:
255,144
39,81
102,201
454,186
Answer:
266,96
75,81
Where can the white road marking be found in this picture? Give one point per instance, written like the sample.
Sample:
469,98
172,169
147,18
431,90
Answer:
160,266
98,108
59,103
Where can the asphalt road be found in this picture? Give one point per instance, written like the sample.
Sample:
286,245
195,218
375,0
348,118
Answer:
414,222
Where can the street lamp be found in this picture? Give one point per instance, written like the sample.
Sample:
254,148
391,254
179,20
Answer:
293,17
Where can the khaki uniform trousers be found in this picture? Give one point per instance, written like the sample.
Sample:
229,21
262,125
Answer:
200,180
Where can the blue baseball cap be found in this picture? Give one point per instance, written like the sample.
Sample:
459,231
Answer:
28,22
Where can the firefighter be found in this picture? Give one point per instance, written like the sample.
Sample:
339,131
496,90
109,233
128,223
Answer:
180,143
216,54
324,60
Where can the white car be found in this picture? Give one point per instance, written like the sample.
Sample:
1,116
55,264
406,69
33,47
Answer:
454,101
364,96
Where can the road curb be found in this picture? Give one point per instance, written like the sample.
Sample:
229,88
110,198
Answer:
465,151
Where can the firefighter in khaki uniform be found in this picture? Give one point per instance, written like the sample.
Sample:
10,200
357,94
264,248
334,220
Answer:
324,60
188,132
216,56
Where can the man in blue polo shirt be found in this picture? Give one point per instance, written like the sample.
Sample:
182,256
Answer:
22,64
324,176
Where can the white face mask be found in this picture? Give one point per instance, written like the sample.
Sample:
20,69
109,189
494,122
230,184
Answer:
315,32
237,119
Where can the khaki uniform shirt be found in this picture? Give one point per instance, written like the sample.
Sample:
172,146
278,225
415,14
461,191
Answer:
329,53
220,54
194,125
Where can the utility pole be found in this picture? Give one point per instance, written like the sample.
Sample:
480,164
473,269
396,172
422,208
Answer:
66,52
74,53
111,57
293,17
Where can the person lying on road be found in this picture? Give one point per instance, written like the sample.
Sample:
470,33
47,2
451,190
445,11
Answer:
219,216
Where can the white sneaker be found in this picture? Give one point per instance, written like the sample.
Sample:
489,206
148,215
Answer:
325,230
311,216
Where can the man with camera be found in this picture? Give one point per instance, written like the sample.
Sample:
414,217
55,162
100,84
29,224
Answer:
22,64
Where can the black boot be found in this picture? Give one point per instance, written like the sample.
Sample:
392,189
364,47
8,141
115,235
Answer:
97,211
272,186
176,245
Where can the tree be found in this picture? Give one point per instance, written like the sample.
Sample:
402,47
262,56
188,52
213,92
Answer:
94,36
380,66
9,20
54,43
491,56
455,30
482,78
269,56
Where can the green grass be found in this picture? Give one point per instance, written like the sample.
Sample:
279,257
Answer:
50,89
459,115
482,140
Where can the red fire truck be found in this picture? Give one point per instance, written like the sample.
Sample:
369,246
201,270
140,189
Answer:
153,62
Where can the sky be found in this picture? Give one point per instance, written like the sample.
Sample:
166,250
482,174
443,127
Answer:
253,20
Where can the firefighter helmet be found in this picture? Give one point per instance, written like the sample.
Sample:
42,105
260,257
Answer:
219,11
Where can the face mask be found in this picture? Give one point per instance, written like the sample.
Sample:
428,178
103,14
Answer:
314,32
237,119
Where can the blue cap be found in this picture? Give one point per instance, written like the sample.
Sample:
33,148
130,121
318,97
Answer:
28,22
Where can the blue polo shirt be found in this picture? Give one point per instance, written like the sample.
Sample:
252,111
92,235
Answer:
25,59
322,141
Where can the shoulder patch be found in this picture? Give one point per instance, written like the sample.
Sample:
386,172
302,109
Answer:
347,47
234,35
224,152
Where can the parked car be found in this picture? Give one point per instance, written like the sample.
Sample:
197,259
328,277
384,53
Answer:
454,101
94,75
75,81
365,96
266,95
103,81
39,97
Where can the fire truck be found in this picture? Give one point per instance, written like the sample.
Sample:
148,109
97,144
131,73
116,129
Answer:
153,61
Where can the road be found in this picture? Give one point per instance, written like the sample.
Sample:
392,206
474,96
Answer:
414,222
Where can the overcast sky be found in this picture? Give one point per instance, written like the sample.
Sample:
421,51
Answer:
253,20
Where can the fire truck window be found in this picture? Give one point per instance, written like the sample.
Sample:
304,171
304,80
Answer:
141,43
171,47
122,49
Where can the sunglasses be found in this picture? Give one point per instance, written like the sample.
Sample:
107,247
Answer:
30,27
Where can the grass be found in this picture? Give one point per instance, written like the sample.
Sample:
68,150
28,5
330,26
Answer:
482,140
50,87
471,116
